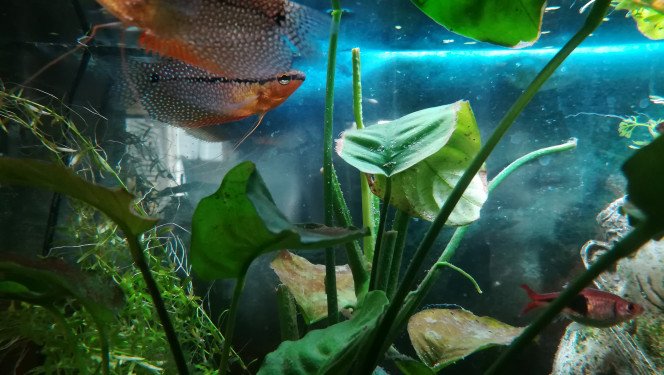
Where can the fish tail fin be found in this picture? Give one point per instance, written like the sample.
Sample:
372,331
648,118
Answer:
258,122
534,299
530,292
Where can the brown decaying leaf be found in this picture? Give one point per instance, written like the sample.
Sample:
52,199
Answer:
307,283
443,336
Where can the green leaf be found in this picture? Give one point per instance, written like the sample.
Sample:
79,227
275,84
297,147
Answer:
422,188
645,180
512,23
395,146
46,281
116,203
331,350
240,221
649,22
306,281
443,336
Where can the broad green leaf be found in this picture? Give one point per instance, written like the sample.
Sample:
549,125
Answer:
645,179
395,146
306,281
443,336
116,203
648,15
240,221
327,351
46,281
422,189
512,23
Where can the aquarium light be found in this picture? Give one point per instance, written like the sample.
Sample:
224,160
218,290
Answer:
625,48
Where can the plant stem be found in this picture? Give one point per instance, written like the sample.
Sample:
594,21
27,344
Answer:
387,330
357,87
368,207
385,259
625,247
401,221
328,189
381,231
356,261
139,260
287,314
232,314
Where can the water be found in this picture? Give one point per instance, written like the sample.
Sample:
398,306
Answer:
531,227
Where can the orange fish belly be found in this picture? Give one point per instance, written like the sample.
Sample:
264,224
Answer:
186,96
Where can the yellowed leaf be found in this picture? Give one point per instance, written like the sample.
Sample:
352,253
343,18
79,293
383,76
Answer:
306,282
443,336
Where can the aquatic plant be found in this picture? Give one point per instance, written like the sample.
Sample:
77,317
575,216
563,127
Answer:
240,221
136,344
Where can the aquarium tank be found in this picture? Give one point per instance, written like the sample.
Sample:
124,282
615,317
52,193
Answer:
331,187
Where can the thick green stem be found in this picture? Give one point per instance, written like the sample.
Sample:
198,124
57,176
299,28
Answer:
356,261
387,330
232,314
368,206
385,259
623,248
328,189
357,88
401,221
287,314
105,347
139,259
381,232
415,298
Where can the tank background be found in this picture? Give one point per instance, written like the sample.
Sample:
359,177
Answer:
532,227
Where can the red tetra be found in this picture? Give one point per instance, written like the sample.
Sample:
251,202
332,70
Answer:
590,307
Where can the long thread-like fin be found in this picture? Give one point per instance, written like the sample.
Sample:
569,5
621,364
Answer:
81,44
258,122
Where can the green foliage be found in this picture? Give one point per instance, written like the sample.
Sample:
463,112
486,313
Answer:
648,15
240,221
65,332
332,350
512,23
425,153
395,146
116,203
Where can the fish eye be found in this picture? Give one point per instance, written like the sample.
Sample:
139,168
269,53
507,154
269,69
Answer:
284,79
630,307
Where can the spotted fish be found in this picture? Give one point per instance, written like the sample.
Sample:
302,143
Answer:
187,96
229,38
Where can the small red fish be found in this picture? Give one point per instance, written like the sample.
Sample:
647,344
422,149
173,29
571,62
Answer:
590,307
229,38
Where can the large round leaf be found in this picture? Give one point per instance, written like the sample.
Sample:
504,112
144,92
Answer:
512,23
240,221
395,146
422,189
331,350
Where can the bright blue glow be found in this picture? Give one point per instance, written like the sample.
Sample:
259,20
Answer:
546,51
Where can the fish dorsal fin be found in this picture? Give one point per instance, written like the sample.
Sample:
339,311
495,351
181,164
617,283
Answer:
175,49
